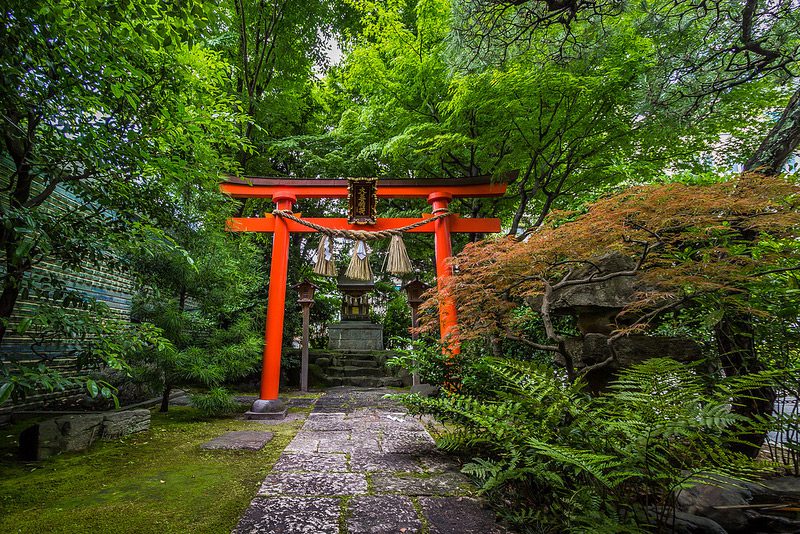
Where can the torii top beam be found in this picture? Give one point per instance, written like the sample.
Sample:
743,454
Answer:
258,187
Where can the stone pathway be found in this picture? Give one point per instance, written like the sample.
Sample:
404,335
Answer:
360,464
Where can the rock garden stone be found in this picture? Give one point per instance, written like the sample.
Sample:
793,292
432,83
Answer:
733,505
382,514
290,515
70,433
250,440
120,424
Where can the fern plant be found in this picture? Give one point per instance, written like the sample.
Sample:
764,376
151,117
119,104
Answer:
576,463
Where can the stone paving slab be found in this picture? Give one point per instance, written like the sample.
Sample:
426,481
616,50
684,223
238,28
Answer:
302,443
251,440
291,515
458,515
384,514
438,484
313,484
437,462
320,463
361,465
410,445
366,462
325,425
291,416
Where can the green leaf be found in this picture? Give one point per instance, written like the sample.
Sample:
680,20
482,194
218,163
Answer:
93,388
5,391
23,325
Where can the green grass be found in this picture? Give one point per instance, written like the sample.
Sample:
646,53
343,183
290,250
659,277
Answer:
158,481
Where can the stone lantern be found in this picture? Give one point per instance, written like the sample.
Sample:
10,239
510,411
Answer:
414,290
355,332
305,290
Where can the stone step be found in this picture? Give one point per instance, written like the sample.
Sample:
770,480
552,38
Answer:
355,371
358,363
364,381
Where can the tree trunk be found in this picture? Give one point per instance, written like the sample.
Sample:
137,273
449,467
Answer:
780,142
9,239
736,330
8,300
165,399
736,345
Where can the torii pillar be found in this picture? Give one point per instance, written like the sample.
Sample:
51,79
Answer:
268,405
443,249
285,192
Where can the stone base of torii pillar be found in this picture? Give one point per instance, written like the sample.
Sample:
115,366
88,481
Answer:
266,409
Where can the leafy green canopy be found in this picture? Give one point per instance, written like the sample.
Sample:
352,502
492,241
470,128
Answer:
116,105
567,127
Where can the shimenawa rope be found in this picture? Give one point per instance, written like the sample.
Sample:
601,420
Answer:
356,235
397,258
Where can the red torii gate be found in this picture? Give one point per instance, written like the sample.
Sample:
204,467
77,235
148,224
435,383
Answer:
284,192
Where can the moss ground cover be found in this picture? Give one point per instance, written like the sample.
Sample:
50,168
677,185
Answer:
158,481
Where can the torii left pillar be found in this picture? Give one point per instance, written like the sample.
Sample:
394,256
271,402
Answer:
269,406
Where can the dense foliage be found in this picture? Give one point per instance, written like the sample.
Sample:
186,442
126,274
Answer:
571,462
615,124
711,246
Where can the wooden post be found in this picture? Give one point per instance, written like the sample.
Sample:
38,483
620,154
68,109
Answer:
444,250
304,353
414,337
268,406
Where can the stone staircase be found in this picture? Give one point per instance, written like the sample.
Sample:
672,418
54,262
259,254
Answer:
358,368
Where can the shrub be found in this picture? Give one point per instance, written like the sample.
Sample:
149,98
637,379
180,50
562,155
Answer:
613,463
217,401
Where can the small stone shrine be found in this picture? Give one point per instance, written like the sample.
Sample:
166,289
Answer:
355,331
597,307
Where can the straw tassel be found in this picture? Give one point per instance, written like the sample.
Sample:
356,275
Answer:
359,268
397,260
326,266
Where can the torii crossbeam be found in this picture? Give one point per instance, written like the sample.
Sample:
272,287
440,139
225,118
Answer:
284,192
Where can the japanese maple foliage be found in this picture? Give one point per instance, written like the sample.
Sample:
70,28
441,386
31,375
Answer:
690,242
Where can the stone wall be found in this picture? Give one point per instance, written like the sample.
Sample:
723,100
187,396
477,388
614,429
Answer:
72,433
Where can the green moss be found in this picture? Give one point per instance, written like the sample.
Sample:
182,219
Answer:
158,481
421,515
344,513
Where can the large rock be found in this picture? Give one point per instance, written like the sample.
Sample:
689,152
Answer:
73,433
64,434
703,499
119,424
593,349
629,350
596,304
683,523
734,504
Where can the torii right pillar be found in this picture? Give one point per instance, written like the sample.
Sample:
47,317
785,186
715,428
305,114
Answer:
443,246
